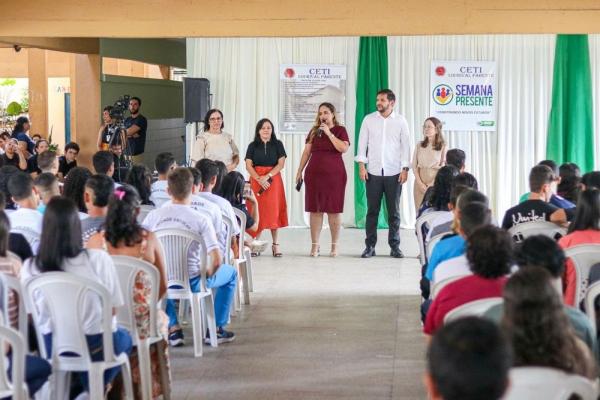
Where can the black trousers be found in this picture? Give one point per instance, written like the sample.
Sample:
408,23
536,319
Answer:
377,187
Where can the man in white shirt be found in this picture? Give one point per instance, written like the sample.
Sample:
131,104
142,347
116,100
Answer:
384,146
27,220
164,163
222,277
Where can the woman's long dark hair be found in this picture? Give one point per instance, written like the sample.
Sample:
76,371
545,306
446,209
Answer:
259,125
75,186
232,188
587,215
19,125
206,126
61,235
121,226
537,326
440,195
4,233
140,178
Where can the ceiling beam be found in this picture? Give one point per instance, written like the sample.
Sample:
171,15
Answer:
69,45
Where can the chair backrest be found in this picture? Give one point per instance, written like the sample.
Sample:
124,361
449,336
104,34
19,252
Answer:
12,285
176,245
522,231
432,242
32,237
583,257
592,292
438,286
229,231
540,383
63,295
425,220
128,269
242,216
473,308
144,210
14,388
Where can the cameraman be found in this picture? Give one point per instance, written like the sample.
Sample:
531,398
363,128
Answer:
108,131
136,126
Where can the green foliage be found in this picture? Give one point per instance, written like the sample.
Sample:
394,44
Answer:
14,109
8,82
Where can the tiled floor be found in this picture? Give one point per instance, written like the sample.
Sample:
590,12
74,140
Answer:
343,328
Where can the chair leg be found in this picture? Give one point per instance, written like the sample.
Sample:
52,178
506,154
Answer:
96,381
211,321
243,268
197,325
237,302
127,381
61,382
248,257
164,373
182,311
145,362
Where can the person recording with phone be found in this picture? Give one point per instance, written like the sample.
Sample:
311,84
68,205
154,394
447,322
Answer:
325,175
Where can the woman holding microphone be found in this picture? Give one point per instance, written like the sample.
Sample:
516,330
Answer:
325,175
265,158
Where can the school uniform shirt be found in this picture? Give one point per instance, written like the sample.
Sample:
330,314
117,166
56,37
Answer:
26,220
528,211
180,216
92,264
460,292
159,194
225,206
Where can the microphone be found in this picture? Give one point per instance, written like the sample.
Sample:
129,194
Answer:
320,131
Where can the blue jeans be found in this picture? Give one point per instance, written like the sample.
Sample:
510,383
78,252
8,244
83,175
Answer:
224,280
121,344
37,371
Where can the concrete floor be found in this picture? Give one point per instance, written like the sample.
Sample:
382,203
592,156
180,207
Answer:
343,328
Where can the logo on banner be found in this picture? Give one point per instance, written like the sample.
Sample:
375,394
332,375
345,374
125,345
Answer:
289,72
440,71
443,94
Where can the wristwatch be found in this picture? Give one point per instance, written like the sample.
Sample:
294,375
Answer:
405,169
270,175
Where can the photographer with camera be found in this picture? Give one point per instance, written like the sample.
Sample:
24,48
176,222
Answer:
136,126
109,130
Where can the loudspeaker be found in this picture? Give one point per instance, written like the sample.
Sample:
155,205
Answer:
196,98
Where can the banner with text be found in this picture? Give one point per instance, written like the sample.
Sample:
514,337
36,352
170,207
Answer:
302,87
463,95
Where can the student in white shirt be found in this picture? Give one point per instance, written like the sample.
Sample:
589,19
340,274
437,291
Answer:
27,219
61,250
383,158
104,164
222,277
164,163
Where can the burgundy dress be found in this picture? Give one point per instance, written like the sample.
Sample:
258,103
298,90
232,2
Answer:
325,175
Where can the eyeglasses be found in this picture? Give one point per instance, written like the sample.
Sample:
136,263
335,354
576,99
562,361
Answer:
215,119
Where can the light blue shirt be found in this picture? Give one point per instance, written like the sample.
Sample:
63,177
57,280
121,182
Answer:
444,250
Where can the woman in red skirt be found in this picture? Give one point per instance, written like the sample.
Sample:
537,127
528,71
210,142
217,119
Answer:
265,159
325,175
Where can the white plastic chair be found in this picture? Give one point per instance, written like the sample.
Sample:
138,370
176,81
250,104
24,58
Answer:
583,257
540,383
11,284
438,286
473,308
247,280
15,387
239,264
593,291
424,219
144,210
432,242
32,237
524,230
127,270
176,243
64,296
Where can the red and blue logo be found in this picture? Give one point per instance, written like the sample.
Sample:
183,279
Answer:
443,94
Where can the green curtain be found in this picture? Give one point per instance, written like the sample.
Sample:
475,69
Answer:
570,129
372,76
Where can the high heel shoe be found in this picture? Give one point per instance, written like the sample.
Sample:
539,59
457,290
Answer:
333,250
275,249
316,250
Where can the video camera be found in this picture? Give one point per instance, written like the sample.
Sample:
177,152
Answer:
121,105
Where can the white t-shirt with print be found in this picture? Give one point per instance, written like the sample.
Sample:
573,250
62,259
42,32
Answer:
159,194
179,216
225,206
92,264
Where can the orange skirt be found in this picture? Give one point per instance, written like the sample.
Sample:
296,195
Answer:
272,208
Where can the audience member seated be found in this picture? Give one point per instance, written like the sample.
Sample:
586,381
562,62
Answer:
140,178
48,162
570,181
555,199
489,253
69,161
164,163
5,173
27,218
75,187
585,229
13,155
438,196
16,242
120,163
457,158
541,251
123,235
32,163
460,197
61,250
98,190
590,180
11,266
222,277
232,190
46,185
21,134
104,164
537,208
468,359
537,326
